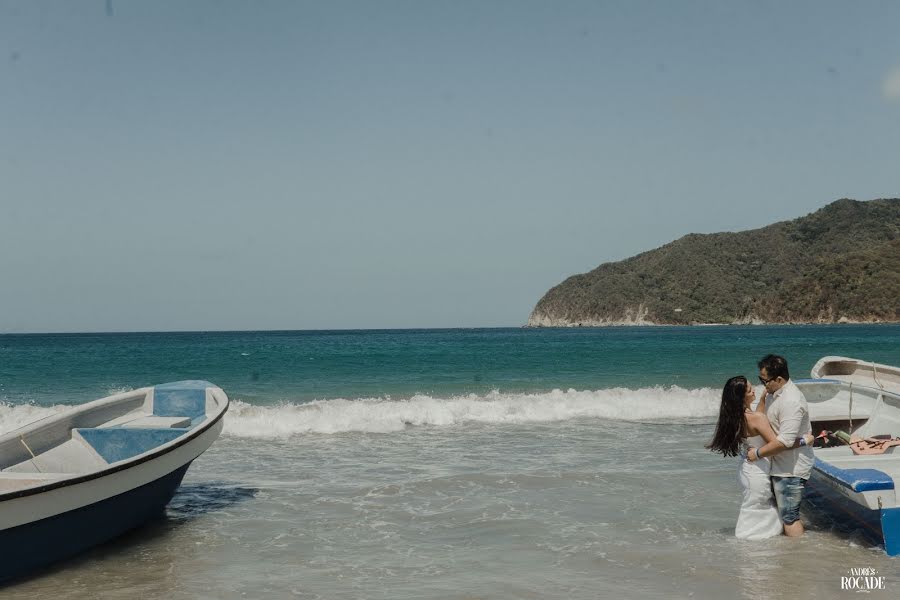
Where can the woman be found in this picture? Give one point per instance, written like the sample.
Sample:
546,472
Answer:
739,428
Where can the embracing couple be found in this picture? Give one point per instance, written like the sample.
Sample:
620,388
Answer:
773,436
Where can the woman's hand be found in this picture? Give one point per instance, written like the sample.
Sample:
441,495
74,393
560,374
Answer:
810,438
752,454
761,407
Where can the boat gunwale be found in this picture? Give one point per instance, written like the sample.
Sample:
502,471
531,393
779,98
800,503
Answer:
161,450
848,385
866,370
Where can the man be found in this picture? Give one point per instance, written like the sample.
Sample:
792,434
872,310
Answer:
788,413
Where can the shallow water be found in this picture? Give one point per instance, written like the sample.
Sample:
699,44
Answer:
601,491
578,509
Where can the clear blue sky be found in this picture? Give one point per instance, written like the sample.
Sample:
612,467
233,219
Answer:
243,165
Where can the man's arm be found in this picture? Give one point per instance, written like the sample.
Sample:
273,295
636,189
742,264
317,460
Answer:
760,425
771,449
787,435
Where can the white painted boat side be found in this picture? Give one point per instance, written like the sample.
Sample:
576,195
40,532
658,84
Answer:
858,372
33,507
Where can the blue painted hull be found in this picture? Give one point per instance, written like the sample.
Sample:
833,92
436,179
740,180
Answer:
33,545
890,527
877,526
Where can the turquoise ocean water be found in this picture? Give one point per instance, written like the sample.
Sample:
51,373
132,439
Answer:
483,463
263,368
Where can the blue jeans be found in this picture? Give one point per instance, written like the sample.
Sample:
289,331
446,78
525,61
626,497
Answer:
788,494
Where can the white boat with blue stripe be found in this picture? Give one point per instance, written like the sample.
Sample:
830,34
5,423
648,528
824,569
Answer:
79,478
858,488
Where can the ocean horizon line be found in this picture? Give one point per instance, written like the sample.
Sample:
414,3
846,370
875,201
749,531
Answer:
436,329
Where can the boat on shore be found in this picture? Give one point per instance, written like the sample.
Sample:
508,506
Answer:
85,476
858,372
862,486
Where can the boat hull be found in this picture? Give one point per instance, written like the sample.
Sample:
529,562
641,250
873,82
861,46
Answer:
68,495
59,514
857,491
847,516
39,543
879,526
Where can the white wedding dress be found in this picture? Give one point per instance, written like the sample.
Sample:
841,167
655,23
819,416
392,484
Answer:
758,518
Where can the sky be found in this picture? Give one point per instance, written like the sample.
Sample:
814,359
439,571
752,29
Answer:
200,165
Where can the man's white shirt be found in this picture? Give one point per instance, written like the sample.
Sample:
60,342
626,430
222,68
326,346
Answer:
789,415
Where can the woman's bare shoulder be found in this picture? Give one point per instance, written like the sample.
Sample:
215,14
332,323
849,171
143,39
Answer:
755,418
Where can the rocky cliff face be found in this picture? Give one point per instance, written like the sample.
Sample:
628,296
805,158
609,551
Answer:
633,315
838,264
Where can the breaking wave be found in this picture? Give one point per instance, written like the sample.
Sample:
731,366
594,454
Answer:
13,416
384,415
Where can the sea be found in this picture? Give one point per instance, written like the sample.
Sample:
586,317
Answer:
450,464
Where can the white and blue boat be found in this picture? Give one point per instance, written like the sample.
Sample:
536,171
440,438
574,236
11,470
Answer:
84,476
857,487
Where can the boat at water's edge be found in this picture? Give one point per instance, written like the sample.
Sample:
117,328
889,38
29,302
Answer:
861,487
82,477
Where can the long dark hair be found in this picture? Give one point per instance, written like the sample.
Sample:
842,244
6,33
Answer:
730,428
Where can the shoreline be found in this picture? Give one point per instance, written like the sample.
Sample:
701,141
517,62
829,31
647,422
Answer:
591,324
414,330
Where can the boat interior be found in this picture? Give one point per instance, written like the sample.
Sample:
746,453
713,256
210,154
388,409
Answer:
91,437
862,412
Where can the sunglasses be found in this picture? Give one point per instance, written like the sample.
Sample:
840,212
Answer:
765,381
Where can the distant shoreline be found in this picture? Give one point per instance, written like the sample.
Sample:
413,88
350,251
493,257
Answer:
428,329
598,325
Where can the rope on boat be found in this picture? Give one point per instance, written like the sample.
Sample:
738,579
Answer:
33,457
850,410
875,375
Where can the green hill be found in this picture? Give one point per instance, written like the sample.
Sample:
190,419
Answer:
838,264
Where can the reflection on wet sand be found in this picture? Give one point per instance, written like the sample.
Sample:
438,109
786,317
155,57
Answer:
143,560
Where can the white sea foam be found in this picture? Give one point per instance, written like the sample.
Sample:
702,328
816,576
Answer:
13,416
384,415
118,390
